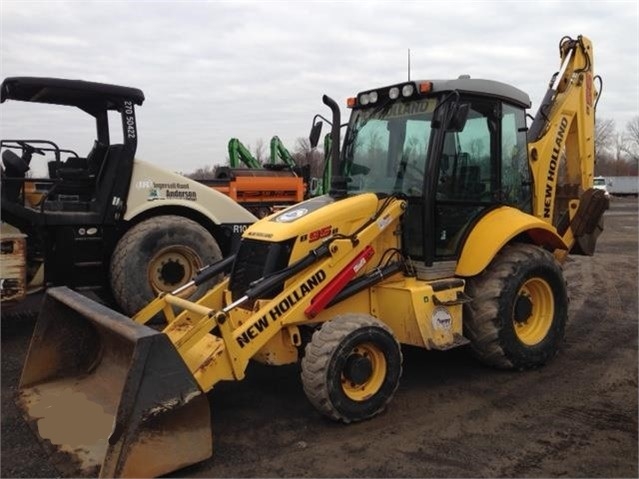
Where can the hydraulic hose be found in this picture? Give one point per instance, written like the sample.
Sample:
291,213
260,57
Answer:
207,272
266,285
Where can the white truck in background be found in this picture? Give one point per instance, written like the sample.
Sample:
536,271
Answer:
620,185
599,183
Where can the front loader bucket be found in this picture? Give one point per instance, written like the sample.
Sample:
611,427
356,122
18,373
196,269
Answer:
109,397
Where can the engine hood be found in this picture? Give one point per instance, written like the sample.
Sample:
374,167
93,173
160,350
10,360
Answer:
315,219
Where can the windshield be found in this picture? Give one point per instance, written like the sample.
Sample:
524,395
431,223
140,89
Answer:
385,148
600,182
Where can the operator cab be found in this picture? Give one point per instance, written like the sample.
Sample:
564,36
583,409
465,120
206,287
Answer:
83,185
453,148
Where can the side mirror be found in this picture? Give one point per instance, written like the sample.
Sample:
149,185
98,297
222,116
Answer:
316,131
458,117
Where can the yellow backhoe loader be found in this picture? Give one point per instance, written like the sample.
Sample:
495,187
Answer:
446,224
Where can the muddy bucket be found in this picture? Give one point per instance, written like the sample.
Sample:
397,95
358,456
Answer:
108,397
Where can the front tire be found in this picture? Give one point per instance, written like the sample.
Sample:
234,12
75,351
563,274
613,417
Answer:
351,368
518,315
158,255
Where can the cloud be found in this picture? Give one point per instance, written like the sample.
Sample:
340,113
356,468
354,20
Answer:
215,70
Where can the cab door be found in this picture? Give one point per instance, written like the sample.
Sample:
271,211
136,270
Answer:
483,166
469,172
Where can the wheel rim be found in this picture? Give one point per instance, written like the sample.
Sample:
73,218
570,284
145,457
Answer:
534,311
364,372
172,267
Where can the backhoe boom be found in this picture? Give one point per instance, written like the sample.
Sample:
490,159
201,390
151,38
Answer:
561,141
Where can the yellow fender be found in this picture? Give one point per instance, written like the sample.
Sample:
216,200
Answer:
496,229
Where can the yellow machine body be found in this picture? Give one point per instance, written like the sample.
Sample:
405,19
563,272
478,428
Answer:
337,267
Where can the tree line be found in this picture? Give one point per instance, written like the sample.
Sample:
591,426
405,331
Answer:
616,152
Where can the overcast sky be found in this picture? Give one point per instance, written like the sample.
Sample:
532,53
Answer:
215,70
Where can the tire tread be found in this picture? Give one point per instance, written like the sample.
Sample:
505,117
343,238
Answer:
318,356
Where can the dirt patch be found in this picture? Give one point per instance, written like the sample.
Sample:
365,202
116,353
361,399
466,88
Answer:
451,417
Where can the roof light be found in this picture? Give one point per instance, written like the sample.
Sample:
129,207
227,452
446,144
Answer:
408,89
425,87
393,93
373,96
364,99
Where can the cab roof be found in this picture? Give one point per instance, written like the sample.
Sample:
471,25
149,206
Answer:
483,87
463,84
88,96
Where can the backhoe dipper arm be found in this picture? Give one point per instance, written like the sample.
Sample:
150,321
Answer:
564,125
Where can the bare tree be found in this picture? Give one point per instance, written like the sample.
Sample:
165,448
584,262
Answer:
260,151
303,147
615,161
203,173
631,140
305,155
605,137
605,134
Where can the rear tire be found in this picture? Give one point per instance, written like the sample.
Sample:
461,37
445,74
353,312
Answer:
157,255
351,368
518,315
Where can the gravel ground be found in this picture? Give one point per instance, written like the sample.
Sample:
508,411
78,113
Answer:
451,417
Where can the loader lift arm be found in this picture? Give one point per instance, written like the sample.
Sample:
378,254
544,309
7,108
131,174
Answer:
239,153
242,333
279,152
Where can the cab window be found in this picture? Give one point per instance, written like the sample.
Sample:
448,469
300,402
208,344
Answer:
515,171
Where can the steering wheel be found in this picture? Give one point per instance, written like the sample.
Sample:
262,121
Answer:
28,151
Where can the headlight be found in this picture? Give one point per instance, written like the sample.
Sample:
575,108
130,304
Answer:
373,96
364,99
393,93
408,89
